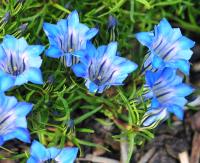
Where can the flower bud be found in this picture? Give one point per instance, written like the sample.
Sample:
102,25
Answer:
154,117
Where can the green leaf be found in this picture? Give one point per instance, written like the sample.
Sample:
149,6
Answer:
82,142
87,115
145,3
131,146
103,122
86,130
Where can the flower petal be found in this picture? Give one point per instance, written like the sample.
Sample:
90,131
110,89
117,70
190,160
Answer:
7,102
91,86
79,70
23,108
71,154
9,42
73,19
183,90
145,38
38,151
1,141
164,28
111,50
53,52
91,33
177,110
155,103
185,43
19,133
32,160
62,24
34,50
53,152
35,76
151,78
6,82
21,45
125,66
157,62
22,78
22,134
50,29
2,52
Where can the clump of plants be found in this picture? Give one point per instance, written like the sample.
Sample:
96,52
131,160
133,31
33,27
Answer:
69,69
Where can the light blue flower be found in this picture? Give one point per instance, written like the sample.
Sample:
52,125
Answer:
13,122
101,67
67,37
167,48
167,91
19,62
154,116
40,154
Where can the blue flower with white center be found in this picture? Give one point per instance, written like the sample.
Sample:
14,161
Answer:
40,154
19,62
167,48
167,91
67,37
102,67
13,122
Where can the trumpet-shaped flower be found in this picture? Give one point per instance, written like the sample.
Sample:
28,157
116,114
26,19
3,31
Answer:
19,62
40,154
167,48
167,91
13,119
67,37
153,117
101,67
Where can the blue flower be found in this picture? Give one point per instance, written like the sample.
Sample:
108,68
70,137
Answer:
13,119
154,116
41,154
167,91
19,62
167,48
67,37
101,67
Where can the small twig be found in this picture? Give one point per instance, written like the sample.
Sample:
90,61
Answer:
183,157
124,150
7,150
195,148
147,156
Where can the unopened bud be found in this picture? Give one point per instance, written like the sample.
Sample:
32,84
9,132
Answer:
112,30
23,27
154,117
112,22
6,18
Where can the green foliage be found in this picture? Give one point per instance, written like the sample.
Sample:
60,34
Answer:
61,105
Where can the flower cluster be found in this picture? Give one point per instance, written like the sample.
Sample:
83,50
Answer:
19,63
168,55
101,67
167,48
